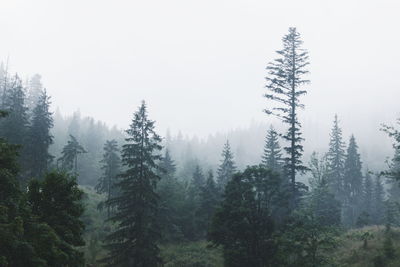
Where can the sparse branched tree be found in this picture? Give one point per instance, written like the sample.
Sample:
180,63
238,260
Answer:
272,157
227,167
135,239
69,155
284,83
111,168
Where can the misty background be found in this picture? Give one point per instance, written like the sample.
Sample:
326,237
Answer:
200,66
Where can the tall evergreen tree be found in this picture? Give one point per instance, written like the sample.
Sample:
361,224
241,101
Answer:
336,157
378,214
69,155
367,198
57,202
134,241
40,137
111,168
35,91
227,167
172,195
272,157
209,200
14,126
244,224
352,184
284,82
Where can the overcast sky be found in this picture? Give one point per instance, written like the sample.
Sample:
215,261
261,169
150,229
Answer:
200,65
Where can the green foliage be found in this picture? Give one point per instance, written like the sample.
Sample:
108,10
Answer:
352,186
39,138
194,254
69,155
244,224
284,80
111,168
56,201
336,158
135,239
227,167
172,197
272,156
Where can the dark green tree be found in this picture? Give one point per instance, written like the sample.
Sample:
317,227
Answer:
272,157
14,127
209,200
336,158
40,138
134,241
244,224
284,83
70,153
378,205
367,201
111,166
56,201
227,167
352,184
172,197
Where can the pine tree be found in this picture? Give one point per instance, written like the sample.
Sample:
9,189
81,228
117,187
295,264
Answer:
69,155
227,167
272,157
56,201
367,201
14,126
134,242
172,196
378,214
40,138
284,80
352,184
244,224
209,199
336,157
111,168
35,91
394,184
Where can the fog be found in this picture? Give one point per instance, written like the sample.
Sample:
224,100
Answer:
200,65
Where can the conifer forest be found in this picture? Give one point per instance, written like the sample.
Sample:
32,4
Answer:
199,133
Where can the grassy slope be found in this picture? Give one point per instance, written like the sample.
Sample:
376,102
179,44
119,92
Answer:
352,253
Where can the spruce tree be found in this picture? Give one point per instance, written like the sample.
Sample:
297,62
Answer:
336,157
284,83
272,157
134,241
56,201
244,224
378,214
171,193
367,200
352,184
14,127
209,199
227,167
40,138
110,169
69,155
35,91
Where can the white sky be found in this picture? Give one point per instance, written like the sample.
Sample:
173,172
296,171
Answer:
200,65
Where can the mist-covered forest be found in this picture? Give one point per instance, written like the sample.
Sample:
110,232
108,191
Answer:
289,190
